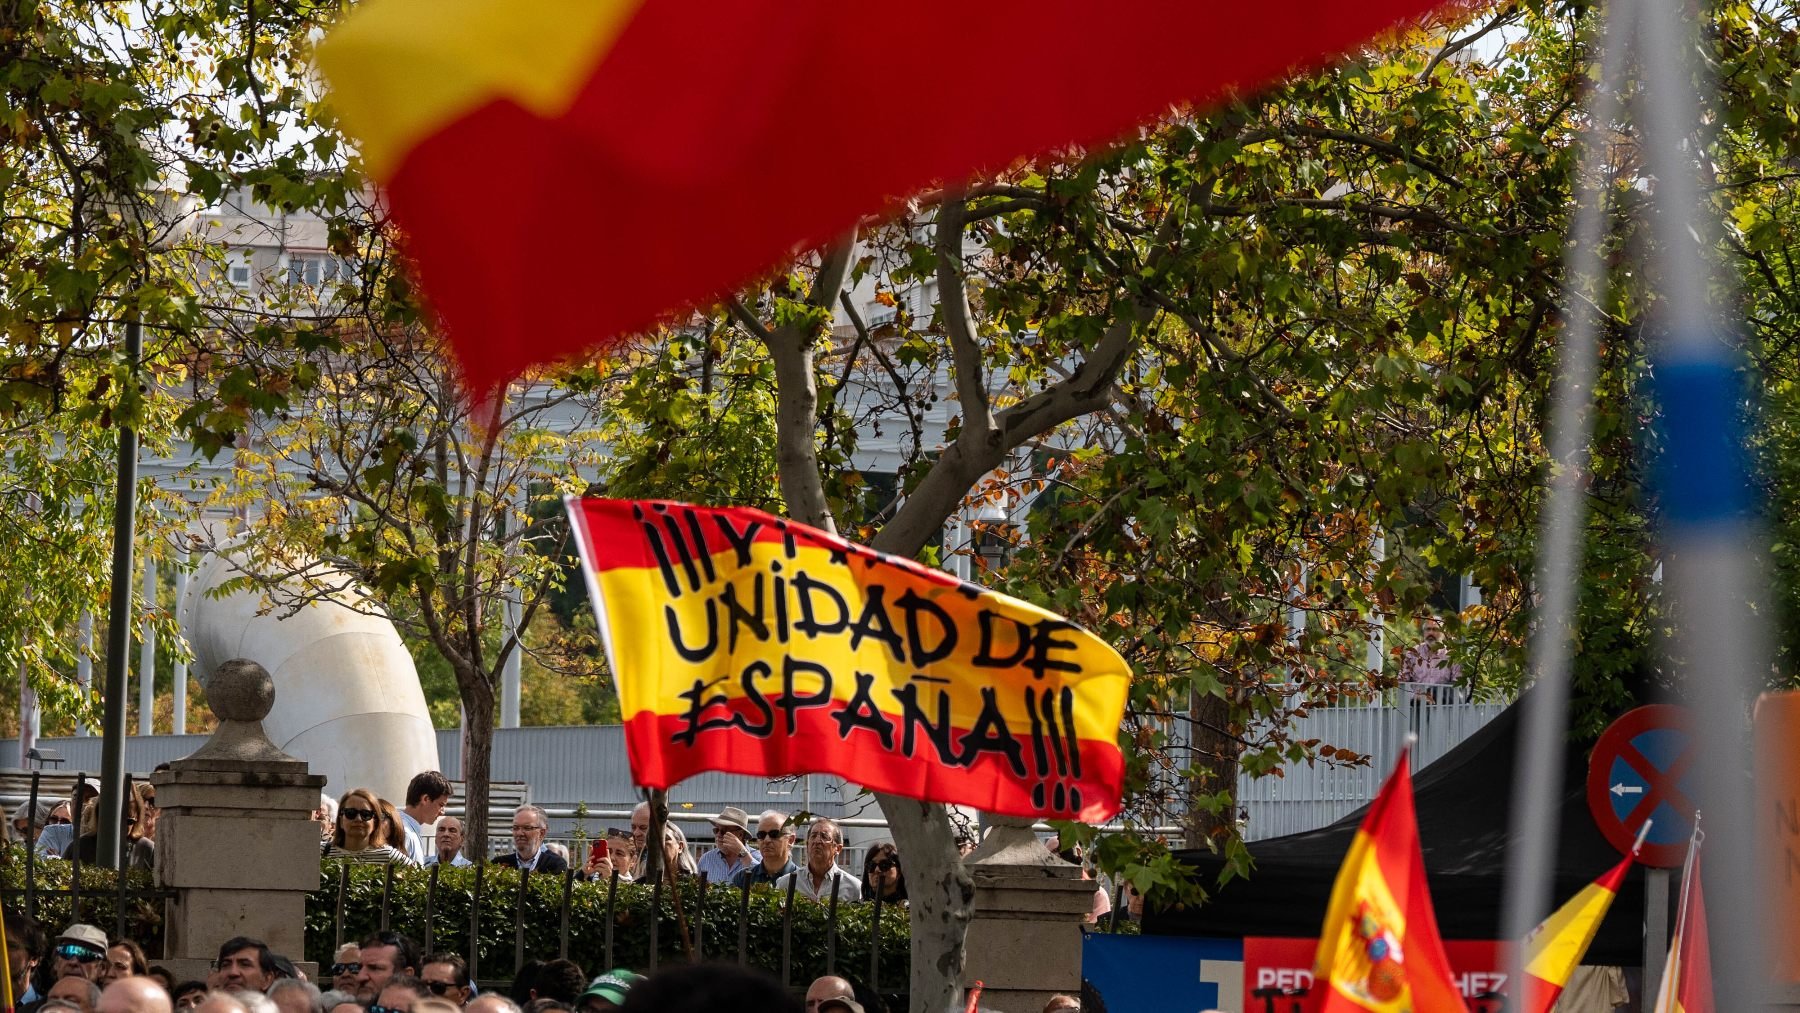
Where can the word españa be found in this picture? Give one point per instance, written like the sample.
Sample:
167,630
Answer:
766,692
784,607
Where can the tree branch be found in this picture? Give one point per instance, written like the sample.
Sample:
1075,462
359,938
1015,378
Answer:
953,313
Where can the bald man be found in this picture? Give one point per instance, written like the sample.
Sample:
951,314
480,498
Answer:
829,987
135,995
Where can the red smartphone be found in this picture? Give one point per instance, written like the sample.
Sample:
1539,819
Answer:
598,852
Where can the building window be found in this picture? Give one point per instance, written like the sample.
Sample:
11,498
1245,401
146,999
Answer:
237,268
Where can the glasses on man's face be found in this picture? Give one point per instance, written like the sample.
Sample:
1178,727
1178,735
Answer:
820,839
771,835
517,829
78,952
440,987
378,1008
359,815
337,969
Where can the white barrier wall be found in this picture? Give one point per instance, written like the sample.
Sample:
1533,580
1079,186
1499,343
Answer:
347,697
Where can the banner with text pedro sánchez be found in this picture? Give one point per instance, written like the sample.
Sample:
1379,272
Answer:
747,643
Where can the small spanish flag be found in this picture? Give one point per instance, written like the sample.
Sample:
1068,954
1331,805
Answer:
1556,948
1379,950
626,159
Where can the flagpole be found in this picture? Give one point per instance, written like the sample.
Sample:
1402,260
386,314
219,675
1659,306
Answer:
1665,989
1701,480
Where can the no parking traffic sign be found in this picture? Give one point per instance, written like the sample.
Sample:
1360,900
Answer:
1641,769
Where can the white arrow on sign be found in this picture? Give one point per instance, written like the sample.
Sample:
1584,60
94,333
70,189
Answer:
1627,789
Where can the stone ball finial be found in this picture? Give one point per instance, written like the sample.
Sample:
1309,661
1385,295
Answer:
241,690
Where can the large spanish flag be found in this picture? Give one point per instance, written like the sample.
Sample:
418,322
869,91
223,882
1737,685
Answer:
747,643
1556,948
1380,950
569,171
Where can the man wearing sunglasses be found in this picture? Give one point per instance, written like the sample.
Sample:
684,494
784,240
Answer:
775,839
447,976
80,952
399,994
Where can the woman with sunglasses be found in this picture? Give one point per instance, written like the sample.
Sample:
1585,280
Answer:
361,834
882,875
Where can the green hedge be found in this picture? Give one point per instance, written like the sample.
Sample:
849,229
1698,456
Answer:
587,923
99,897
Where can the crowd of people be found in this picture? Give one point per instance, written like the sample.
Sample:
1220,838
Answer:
82,971
360,826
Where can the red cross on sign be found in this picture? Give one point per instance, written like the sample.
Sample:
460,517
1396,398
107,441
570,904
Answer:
1640,770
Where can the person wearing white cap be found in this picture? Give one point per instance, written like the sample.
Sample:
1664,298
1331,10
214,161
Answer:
80,951
731,852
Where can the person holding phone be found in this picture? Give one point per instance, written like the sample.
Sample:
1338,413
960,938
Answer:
608,853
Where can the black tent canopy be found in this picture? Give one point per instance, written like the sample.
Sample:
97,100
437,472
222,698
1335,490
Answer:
1463,802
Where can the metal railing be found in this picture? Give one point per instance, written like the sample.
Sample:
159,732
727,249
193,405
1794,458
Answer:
612,923
116,887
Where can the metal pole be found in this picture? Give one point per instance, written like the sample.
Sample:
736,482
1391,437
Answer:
146,722
179,700
84,664
118,630
1656,927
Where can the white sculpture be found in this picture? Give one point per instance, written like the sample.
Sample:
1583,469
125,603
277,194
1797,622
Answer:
347,697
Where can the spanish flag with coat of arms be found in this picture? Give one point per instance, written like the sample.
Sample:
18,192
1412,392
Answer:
1379,950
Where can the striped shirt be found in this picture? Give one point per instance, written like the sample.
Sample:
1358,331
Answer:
383,855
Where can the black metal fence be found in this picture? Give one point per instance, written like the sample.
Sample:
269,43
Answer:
59,892
498,918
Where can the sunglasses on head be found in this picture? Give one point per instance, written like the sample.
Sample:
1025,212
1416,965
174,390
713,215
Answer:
337,969
770,835
360,815
79,951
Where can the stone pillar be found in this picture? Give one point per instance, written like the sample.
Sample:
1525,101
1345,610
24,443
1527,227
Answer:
1024,944
236,839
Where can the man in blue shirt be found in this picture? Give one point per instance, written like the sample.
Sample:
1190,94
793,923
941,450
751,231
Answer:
449,842
731,852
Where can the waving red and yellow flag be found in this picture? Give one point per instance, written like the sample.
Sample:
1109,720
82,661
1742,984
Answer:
628,158
1380,951
1556,948
747,643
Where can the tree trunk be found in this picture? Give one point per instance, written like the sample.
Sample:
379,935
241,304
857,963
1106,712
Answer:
1215,757
477,760
941,895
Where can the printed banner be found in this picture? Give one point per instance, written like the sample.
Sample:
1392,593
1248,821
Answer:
1275,968
747,643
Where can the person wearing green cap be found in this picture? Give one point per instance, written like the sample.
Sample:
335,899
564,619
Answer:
607,991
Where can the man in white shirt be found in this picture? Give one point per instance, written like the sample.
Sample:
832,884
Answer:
449,842
426,796
820,876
